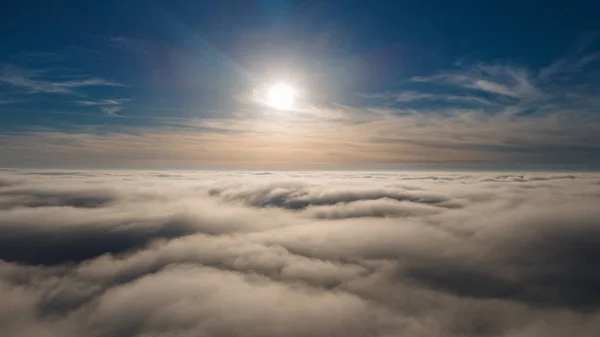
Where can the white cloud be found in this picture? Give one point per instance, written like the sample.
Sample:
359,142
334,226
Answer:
496,79
140,253
39,82
358,139
102,102
111,111
108,106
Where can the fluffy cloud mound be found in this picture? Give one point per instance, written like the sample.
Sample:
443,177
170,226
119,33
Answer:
124,253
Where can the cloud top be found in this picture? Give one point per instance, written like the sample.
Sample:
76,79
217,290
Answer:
141,253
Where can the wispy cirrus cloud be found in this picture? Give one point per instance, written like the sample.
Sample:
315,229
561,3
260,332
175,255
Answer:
412,96
103,102
576,61
7,101
555,84
111,110
326,139
36,81
567,66
32,56
502,80
109,106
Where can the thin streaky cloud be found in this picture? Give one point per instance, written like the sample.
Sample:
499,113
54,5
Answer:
110,107
111,110
36,82
6,102
410,96
568,65
499,80
30,56
103,102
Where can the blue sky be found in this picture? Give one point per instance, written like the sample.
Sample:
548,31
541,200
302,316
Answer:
385,84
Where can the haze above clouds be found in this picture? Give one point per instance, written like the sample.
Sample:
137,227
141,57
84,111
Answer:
131,253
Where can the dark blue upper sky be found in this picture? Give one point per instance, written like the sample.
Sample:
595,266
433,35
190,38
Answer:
67,65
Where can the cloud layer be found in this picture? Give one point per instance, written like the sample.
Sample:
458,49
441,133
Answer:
128,253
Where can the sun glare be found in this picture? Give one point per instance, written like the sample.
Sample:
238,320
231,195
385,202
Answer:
281,96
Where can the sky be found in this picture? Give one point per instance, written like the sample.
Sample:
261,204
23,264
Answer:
380,85
294,168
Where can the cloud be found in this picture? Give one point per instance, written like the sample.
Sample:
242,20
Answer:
29,56
448,138
102,102
112,111
411,96
40,82
575,62
292,196
496,79
108,106
141,253
408,96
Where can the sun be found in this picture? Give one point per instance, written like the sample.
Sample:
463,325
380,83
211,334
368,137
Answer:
281,96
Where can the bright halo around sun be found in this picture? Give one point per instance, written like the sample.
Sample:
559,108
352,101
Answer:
281,96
